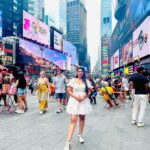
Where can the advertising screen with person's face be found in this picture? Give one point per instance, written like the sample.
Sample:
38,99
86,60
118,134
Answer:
141,40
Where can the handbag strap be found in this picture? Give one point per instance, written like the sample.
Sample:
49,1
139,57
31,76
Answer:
108,92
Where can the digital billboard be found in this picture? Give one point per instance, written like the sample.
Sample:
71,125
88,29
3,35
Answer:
56,39
1,31
116,59
112,63
32,54
71,50
104,54
141,38
35,30
126,55
135,12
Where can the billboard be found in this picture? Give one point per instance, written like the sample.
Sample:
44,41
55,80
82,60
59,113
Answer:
1,30
112,63
32,54
35,30
56,39
141,38
116,59
126,54
104,54
135,12
71,50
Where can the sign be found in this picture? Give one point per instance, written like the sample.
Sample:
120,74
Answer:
141,39
32,54
71,50
126,54
116,59
35,30
57,41
112,62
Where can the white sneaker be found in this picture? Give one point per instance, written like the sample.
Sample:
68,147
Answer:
81,140
67,146
133,122
59,111
41,112
19,111
140,124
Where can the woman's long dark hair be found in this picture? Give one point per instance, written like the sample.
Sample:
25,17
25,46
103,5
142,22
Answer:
22,81
83,78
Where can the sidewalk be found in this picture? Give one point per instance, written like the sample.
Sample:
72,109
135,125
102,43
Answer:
105,129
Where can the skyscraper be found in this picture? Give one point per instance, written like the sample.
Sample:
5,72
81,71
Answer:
106,29
77,28
12,15
36,8
63,17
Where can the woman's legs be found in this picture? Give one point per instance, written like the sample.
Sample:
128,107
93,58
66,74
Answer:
73,122
25,100
21,104
81,123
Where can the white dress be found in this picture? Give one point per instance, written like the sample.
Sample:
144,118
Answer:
78,108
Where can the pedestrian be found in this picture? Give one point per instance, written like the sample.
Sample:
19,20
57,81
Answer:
30,84
42,92
60,89
140,83
21,85
125,87
78,105
108,94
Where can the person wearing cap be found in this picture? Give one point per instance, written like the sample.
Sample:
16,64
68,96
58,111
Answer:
140,83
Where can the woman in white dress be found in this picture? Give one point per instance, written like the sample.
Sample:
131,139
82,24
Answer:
79,105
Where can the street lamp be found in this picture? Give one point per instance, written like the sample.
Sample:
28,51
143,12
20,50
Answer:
41,49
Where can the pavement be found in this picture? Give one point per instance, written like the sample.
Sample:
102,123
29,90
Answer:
105,129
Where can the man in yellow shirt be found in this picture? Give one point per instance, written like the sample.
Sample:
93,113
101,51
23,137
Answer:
105,94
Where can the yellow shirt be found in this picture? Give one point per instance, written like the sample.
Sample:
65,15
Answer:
104,93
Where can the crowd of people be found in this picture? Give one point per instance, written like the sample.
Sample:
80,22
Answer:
77,94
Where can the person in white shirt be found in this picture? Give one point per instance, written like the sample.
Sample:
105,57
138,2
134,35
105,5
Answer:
60,89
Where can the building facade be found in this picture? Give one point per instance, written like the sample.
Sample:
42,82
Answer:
36,8
128,34
77,28
63,17
49,20
106,29
12,16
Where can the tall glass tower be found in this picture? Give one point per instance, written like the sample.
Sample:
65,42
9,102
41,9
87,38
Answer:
36,8
106,29
73,24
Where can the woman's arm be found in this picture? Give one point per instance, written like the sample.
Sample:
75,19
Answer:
70,92
48,84
17,83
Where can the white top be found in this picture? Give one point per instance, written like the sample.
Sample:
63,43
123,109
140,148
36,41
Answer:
60,84
78,108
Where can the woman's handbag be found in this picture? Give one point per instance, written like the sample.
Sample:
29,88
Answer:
13,89
5,88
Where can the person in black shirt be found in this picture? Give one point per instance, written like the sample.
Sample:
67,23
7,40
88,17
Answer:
140,83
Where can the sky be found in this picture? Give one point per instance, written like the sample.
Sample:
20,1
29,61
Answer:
93,24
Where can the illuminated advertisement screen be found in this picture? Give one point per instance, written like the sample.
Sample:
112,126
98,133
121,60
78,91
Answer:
35,30
56,39
116,59
1,24
104,55
126,54
32,54
70,49
112,62
141,38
